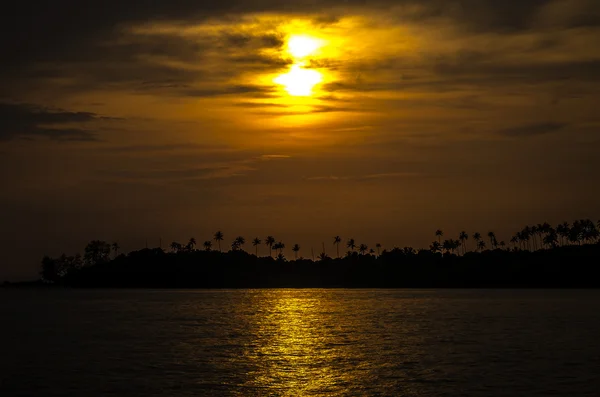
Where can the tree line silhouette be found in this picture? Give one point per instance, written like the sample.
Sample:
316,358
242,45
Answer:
540,255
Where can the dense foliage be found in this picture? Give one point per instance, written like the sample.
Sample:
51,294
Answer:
538,256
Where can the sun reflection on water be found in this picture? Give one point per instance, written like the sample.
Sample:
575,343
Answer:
295,349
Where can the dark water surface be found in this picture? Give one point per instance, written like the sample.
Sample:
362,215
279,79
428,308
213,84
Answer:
299,343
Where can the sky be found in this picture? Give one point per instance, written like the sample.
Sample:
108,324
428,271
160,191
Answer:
146,121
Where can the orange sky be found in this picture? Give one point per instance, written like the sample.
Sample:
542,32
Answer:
145,121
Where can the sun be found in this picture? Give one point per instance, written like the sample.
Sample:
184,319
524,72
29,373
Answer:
299,81
302,46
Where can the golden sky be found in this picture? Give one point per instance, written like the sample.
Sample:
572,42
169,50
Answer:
381,122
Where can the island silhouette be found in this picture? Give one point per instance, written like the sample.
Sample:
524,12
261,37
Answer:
540,256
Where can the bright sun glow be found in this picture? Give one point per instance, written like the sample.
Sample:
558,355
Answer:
302,46
298,81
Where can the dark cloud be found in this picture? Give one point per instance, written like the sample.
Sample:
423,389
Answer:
88,44
259,105
479,66
42,31
241,40
532,129
249,90
176,147
313,110
29,121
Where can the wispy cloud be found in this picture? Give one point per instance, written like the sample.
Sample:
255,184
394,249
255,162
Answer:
29,121
532,129
364,177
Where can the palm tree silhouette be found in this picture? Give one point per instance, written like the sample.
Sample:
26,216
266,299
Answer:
463,240
533,230
256,242
336,241
270,241
207,245
323,256
116,247
296,248
175,246
551,239
525,237
439,235
239,242
279,246
476,237
191,244
378,246
371,251
563,230
218,238
481,245
514,240
363,249
455,245
351,244
447,245
492,237
435,247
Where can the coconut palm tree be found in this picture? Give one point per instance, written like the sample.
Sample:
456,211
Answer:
525,237
533,230
116,247
493,241
280,247
502,244
256,242
207,245
218,237
463,240
239,242
539,231
371,251
551,239
563,230
514,240
363,249
270,241
455,245
576,233
296,248
351,244
447,245
481,245
439,235
435,247
408,251
323,256
175,246
378,246
589,233
336,241
476,237
191,244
